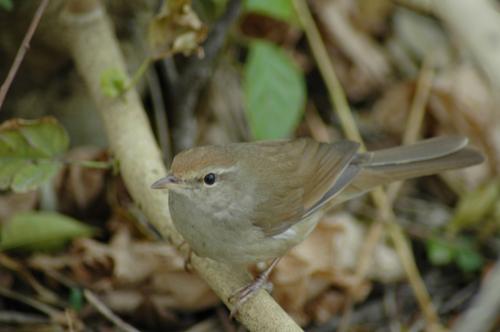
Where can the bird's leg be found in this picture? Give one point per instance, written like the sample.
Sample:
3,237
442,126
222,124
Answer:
243,294
188,267
187,260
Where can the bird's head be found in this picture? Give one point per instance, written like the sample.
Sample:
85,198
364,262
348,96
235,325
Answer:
202,171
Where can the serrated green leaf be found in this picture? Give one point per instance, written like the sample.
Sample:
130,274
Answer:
46,137
29,152
274,92
30,176
278,9
41,231
9,168
113,82
439,252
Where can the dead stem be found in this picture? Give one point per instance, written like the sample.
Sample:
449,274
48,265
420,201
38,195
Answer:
25,45
40,306
44,293
107,313
339,100
416,116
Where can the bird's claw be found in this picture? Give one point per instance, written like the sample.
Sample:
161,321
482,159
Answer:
242,295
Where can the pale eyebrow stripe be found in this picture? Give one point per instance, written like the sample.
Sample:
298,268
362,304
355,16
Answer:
221,170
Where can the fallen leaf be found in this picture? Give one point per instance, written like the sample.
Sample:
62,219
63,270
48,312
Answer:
12,203
327,258
176,29
41,230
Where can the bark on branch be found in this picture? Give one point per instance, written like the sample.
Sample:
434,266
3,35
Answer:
92,43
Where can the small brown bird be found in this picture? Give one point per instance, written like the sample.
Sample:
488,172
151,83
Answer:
251,202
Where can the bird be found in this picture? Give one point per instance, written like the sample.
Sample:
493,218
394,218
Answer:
250,202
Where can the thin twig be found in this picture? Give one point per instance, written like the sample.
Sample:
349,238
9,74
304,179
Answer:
417,110
138,74
42,307
339,100
22,50
107,313
95,164
160,114
69,321
21,318
336,93
416,116
194,78
414,125
44,293
317,127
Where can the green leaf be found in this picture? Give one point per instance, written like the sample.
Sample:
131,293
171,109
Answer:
30,176
460,251
29,152
113,82
474,207
6,5
41,231
278,9
75,298
439,251
209,10
274,92
468,257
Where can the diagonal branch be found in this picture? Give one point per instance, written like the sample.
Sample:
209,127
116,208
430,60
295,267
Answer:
94,48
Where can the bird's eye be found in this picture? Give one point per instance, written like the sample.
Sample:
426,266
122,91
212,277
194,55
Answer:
209,179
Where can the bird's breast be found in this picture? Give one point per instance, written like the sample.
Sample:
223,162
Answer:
224,235
221,235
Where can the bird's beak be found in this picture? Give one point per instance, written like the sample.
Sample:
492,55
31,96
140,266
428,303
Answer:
167,182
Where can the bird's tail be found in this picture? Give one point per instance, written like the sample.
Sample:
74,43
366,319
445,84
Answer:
405,162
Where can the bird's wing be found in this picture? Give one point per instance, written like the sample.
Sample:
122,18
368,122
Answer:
312,173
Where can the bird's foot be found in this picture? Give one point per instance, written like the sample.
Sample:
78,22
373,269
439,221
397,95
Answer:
239,297
245,293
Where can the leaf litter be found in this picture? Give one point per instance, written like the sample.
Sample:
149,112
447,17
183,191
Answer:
377,48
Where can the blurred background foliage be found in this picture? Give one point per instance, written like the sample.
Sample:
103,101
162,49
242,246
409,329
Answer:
219,71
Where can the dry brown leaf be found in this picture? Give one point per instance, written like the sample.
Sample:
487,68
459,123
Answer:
129,273
370,66
12,203
255,25
460,103
391,110
157,267
44,262
79,185
463,102
374,15
330,303
328,258
222,118
123,300
176,29
421,36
